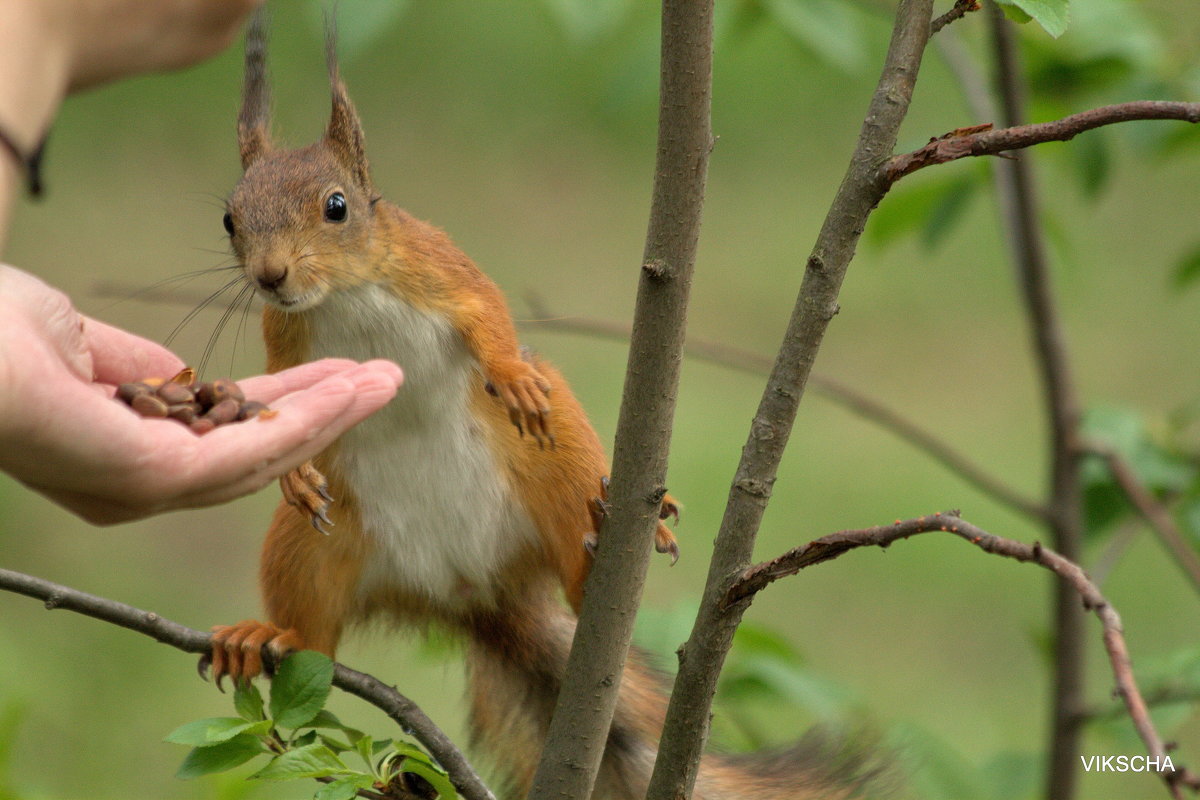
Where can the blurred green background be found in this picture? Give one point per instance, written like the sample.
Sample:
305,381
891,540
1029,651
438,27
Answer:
527,130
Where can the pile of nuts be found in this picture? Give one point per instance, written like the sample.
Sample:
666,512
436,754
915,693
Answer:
200,406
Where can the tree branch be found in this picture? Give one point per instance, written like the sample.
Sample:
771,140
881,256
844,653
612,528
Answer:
1152,511
966,142
583,714
960,9
840,394
827,548
402,710
1018,204
701,658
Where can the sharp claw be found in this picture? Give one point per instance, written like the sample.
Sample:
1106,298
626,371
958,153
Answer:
669,510
316,519
601,506
324,517
321,490
673,549
203,664
604,482
269,661
221,683
590,542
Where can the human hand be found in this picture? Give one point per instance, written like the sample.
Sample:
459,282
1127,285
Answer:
62,434
112,39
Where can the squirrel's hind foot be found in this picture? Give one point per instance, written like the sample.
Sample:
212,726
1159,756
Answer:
664,540
246,650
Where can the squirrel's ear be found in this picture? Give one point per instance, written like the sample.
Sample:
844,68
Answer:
344,135
254,121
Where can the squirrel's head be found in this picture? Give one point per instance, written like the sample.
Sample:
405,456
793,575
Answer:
299,220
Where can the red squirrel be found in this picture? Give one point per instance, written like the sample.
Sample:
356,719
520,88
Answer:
471,501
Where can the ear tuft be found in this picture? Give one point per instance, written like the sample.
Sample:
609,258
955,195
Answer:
344,134
254,120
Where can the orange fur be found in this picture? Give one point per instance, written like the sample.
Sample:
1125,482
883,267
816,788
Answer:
500,524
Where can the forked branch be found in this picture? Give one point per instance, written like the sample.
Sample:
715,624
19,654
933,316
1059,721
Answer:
827,548
402,710
1153,511
985,140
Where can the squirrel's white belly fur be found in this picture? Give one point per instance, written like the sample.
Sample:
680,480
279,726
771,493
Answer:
425,480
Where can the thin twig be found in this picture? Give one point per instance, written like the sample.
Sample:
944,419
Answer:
966,142
960,9
403,711
701,657
827,548
856,402
1154,512
1018,201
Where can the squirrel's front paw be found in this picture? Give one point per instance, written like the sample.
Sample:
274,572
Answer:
306,490
238,650
526,395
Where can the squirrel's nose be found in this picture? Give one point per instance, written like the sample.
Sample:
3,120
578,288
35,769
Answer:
271,275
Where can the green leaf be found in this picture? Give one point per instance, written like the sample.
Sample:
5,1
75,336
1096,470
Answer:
379,746
336,745
1155,467
1187,271
326,719
248,702
311,761
306,739
436,778
409,758
214,730
366,749
300,688
1015,14
220,757
831,29
344,788
1052,15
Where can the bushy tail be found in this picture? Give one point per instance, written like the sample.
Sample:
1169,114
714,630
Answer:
515,666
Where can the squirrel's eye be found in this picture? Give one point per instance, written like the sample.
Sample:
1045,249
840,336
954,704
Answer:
335,208
227,221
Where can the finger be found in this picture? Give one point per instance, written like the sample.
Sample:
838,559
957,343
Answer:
269,388
238,459
119,356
